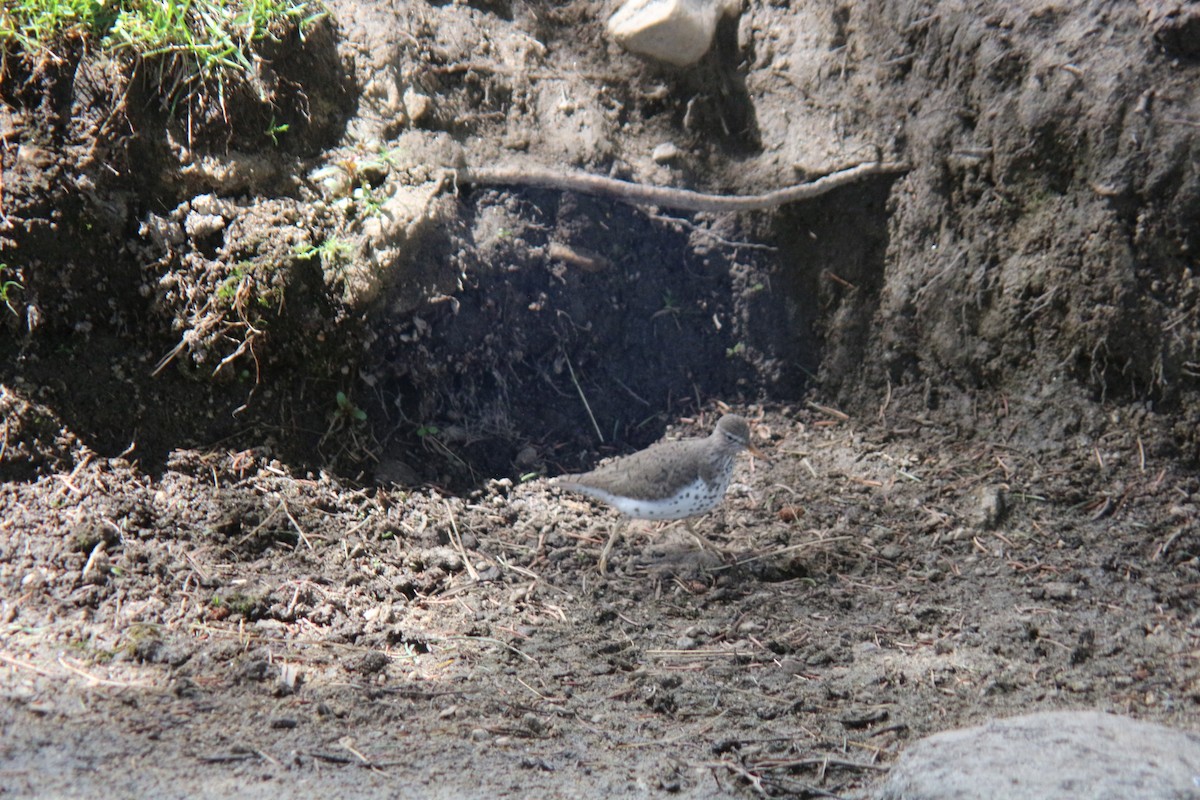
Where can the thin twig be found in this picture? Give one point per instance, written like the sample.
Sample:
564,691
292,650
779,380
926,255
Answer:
94,681
785,550
683,223
491,640
227,758
456,540
331,757
694,734
97,552
347,744
583,397
296,525
785,763
755,781
805,790
664,196
26,665
832,412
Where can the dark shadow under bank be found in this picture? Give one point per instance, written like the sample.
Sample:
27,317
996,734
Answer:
541,362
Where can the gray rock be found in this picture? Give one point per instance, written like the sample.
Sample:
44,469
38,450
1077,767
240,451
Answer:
676,32
1065,755
991,509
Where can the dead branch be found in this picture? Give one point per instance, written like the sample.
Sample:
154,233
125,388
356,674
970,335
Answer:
665,196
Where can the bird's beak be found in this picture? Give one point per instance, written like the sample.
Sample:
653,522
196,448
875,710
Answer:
754,451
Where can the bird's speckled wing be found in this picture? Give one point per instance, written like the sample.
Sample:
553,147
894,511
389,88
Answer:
641,475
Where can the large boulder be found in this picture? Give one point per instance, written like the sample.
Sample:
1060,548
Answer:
1061,755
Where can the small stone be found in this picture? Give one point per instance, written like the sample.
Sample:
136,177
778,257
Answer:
206,204
391,470
534,724
372,662
35,157
677,32
417,105
1059,590
792,666
666,153
200,226
991,508
288,680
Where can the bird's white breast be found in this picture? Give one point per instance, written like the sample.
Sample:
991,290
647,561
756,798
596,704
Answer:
695,498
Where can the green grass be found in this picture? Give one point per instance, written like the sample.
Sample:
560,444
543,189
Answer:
197,42
331,251
6,290
33,24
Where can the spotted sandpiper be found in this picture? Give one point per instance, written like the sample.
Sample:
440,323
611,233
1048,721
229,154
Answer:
668,480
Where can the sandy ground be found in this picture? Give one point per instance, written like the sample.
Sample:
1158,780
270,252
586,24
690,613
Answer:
231,628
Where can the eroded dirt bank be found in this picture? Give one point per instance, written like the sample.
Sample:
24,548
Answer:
276,408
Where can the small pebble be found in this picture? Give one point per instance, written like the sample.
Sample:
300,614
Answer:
417,105
666,153
1058,590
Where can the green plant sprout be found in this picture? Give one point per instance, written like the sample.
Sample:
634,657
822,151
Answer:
330,251
242,285
347,410
273,130
384,158
5,288
227,290
371,202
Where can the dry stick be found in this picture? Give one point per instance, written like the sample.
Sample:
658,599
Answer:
97,551
230,757
296,525
347,744
754,780
331,757
781,552
94,681
583,397
490,640
26,665
456,540
666,197
832,412
691,226
769,763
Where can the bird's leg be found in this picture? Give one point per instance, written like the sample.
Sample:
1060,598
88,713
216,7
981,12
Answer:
618,529
704,543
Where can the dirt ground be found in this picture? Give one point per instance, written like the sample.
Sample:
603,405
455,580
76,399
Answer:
279,405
